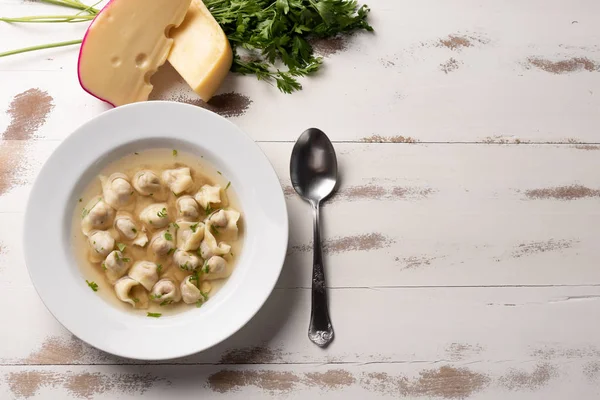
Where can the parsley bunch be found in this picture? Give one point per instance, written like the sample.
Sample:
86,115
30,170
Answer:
277,32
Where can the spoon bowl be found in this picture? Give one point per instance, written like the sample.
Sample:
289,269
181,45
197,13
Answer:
313,167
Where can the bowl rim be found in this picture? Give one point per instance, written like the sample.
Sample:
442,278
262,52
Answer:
252,150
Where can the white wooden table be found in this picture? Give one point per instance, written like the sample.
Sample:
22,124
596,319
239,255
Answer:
463,249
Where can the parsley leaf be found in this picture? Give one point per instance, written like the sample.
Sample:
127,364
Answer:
199,303
121,246
136,300
175,225
228,184
280,31
168,236
93,285
204,295
154,315
214,229
205,267
133,230
171,251
174,152
165,302
194,227
162,213
158,268
80,200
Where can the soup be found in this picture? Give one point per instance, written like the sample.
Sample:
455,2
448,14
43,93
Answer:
157,232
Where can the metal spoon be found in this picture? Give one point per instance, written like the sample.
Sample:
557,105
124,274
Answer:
313,169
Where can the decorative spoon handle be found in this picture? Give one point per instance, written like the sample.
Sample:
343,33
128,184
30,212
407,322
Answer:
320,330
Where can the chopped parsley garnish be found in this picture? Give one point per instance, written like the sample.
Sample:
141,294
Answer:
80,200
194,277
84,213
166,303
168,236
158,268
208,209
93,285
154,315
162,213
214,229
126,260
174,152
104,266
204,295
199,303
219,172
194,227
171,251
205,267
175,225
151,194
186,266
228,184
136,300
121,246
131,194
136,153
133,230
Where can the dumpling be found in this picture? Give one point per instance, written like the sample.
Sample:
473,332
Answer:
178,180
117,190
115,265
147,183
225,223
208,195
186,261
187,208
155,215
189,235
165,292
190,292
209,246
97,214
216,268
144,272
101,244
127,228
123,289
164,242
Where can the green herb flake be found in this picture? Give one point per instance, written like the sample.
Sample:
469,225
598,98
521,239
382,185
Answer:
154,315
158,268
228,184
199,303
80,200
174,153
208,209
175,225
214,229
168,236
84,213
104,266
121,246
205,267
204,295
136,153
219,172
194,227
165,303
126,260
162,213
171,251
136,300
133,230
93,285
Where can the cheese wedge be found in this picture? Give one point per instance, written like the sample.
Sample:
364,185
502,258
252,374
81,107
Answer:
125,45
201,52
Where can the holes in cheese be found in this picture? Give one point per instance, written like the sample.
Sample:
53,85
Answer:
124,46
201,53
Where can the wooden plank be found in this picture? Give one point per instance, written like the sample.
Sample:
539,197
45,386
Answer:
413,215
481,381
400,326
434,72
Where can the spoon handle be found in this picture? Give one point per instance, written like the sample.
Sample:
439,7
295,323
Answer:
320,330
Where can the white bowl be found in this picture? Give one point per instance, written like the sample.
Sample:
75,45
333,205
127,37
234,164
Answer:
48,221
